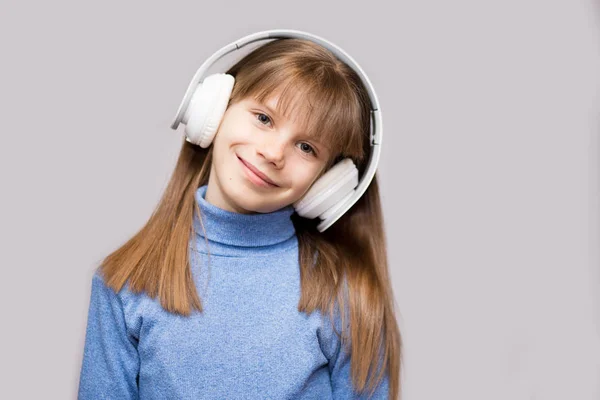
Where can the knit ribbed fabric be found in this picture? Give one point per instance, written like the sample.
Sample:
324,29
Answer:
250,341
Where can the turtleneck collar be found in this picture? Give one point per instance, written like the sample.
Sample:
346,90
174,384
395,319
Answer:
227,228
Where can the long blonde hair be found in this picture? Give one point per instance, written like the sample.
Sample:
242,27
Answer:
351,266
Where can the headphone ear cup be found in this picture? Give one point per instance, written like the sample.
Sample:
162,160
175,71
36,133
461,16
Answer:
327,191
206,108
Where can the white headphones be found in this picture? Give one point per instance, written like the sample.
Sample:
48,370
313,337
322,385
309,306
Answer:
204,104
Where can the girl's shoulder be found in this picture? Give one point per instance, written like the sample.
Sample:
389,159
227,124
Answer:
131,305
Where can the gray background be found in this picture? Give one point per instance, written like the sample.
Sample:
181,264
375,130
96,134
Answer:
489,174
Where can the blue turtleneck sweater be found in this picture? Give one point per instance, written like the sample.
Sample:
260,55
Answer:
250,341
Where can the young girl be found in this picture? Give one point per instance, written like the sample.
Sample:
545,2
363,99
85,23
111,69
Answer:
228,293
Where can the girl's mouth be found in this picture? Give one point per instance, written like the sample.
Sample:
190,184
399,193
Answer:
253,177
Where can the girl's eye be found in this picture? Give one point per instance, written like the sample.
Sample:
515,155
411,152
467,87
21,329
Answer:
264,119
309,148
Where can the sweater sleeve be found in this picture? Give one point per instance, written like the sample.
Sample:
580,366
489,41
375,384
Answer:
110,364
341,379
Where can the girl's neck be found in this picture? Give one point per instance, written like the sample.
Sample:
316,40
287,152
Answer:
242,230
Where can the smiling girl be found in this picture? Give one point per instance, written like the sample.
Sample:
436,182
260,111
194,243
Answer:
228,293
262,161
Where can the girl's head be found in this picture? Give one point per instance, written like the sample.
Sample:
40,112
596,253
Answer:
295,110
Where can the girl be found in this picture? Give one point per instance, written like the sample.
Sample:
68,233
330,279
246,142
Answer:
226,292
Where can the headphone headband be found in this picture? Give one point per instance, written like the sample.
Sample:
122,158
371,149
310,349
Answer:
376,123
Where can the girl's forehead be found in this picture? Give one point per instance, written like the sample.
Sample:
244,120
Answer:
271,103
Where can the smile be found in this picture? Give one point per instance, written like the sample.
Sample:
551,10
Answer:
253,177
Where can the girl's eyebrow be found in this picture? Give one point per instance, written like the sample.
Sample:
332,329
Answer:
262,104
314,138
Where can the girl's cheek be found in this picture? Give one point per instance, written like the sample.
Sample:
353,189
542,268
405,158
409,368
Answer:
246,129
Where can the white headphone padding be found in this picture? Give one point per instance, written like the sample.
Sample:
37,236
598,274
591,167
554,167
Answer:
335,184
207,106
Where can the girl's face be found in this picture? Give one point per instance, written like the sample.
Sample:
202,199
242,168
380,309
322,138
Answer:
254,136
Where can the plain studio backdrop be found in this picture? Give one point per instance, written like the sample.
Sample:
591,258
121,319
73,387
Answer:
489,174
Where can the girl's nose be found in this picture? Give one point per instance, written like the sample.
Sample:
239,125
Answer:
273,151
